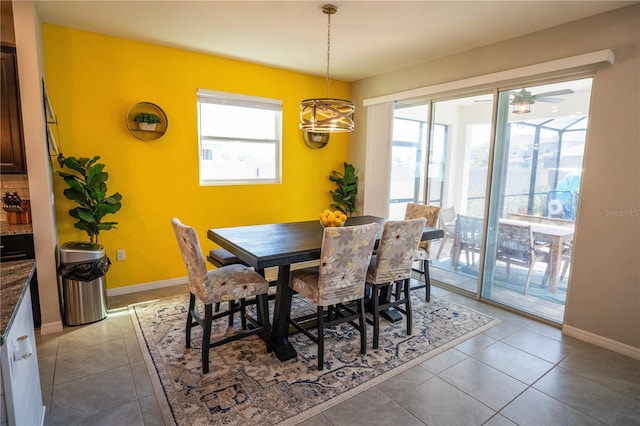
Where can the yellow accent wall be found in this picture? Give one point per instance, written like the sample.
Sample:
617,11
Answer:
92,81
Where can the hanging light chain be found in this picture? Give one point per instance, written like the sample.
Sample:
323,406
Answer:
327,115
329,10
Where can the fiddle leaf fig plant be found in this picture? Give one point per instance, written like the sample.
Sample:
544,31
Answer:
344,197
88,189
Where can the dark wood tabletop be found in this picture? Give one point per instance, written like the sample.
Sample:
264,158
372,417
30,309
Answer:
283,244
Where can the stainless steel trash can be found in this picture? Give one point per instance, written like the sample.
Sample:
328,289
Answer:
83,283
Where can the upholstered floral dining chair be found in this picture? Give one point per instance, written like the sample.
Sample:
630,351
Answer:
430,213
339,279
391,266
232,283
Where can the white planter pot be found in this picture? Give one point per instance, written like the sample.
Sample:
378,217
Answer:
149,127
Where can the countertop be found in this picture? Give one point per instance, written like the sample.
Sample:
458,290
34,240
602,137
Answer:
6,229
14,277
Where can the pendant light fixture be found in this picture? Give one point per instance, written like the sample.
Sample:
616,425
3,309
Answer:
327,115
522,106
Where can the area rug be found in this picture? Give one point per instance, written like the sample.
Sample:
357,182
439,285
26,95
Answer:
248,386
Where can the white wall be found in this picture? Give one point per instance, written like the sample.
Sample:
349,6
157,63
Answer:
28,46
603,302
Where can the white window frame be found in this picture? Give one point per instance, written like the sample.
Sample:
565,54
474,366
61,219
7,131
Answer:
245,101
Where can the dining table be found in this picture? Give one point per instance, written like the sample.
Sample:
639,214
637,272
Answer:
282,245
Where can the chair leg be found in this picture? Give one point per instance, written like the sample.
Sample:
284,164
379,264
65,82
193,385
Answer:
363,327
407,305
187,330
232,306
320,338
375,294
427,282
442,243
526,285
206,337
243,313
564,269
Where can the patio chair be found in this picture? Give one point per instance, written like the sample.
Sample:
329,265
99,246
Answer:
467,238
228,283
391,266
448,225
516,246
339,279
430,213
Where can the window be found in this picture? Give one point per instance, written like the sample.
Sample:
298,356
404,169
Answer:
239,139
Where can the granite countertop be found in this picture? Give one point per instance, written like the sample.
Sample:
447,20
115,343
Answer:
6,229
14,277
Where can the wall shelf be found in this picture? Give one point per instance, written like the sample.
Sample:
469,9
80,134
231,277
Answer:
147,135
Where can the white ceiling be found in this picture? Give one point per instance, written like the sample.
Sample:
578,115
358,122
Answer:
367,37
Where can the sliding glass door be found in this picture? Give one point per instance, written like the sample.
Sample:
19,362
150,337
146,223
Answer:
458,146
540,140
528,144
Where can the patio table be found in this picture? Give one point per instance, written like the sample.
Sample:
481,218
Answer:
556,236
281,245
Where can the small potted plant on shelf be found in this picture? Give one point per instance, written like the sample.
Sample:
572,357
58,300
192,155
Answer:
146,121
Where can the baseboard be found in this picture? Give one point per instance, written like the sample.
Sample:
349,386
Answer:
603,342
51,327
147,286
271,274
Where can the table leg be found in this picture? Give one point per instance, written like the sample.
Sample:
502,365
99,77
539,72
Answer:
279,341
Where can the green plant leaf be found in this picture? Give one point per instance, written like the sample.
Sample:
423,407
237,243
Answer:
88,189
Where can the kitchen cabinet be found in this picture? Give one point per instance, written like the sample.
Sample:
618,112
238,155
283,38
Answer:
20,247
12,156
21,395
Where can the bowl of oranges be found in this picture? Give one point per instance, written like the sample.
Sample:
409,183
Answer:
332,219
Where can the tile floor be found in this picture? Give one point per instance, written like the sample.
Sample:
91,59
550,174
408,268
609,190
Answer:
520,372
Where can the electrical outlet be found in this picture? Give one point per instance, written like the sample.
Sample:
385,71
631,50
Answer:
120,254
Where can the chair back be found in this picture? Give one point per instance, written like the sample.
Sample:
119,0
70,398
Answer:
395,254
469,230
191,256
515,241
345,255
447,218
415,210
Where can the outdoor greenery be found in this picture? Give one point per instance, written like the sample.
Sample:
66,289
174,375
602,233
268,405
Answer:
88,188
146,117
344,197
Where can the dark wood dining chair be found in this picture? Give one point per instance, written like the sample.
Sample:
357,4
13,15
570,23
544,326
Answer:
229,283
339,279
391,266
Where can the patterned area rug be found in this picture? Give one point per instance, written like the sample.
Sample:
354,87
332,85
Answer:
247,386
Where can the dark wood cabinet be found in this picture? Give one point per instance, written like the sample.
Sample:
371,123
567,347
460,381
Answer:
20,247
12,158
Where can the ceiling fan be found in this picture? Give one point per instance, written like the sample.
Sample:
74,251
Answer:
523,99
526,96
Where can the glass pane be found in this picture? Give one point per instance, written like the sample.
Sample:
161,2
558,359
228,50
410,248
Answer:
458,167
534,196
408,156
231,122
235,160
